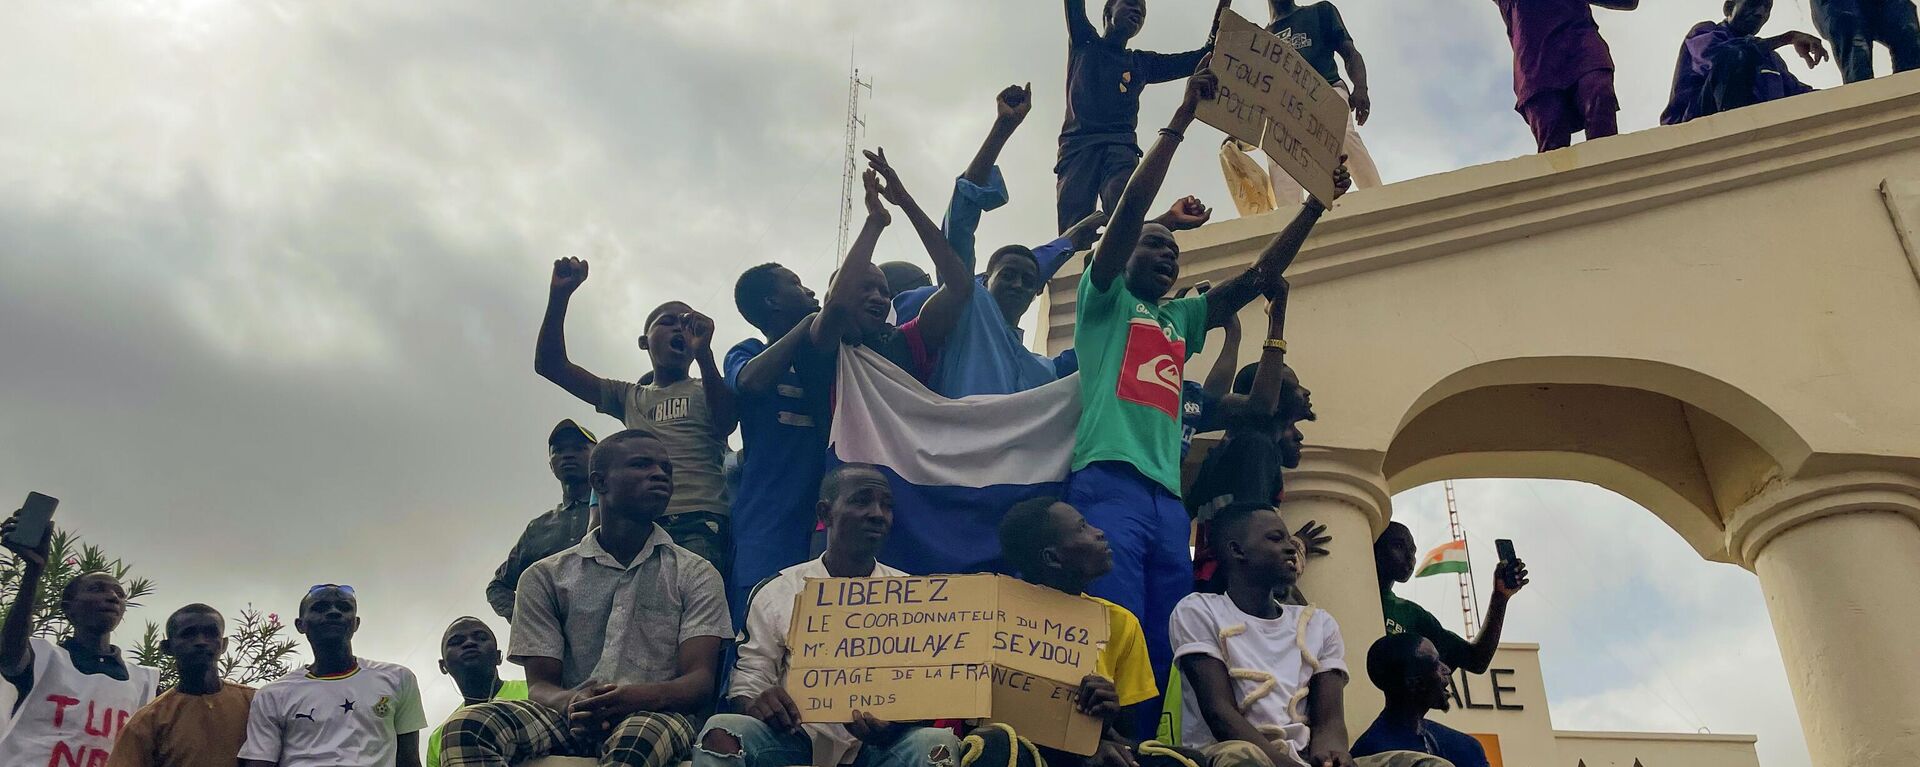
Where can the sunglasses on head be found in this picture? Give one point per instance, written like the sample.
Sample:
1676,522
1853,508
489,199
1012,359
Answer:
341,587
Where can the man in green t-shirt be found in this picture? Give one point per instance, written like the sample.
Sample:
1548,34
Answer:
471,655
1393,560
1133,347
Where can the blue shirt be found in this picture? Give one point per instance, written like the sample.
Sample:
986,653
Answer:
785,436
908,303
1066,364
1430,737
984,354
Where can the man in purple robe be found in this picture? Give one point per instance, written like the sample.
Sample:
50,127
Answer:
1562,69
1727,65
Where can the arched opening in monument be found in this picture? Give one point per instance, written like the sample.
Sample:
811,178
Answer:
1636,633
1687,447
1622,614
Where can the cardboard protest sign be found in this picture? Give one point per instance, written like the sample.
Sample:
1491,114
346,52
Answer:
1271,97
947,647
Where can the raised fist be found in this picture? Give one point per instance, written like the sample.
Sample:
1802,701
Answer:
699,329
1014,103
1187,213
1204,85
568,273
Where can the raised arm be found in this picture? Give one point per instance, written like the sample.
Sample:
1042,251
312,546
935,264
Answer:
550,350
943,309
1187,213
1079,27
16,653
1219,381
1487,643
1228,299
1130,213
1010,110
836,317
1269,379
981,188
713,383
1167,67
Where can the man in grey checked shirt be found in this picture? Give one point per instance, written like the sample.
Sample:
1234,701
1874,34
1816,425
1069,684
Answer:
620,635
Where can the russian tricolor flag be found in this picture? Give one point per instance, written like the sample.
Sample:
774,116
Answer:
956,465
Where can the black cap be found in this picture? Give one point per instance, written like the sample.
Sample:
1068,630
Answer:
567,429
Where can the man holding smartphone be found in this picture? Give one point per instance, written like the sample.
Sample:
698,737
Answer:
1393,561
56,685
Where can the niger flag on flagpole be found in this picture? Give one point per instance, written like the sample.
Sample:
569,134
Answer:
1449,557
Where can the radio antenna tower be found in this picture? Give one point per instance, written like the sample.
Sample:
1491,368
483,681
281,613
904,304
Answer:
850,168
1469,596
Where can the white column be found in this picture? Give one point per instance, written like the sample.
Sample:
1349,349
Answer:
1346,491
1839,563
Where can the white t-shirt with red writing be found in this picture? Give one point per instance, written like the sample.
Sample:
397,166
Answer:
70,718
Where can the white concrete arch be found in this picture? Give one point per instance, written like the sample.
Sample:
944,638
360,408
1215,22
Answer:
1630,483
1687,446
1729,403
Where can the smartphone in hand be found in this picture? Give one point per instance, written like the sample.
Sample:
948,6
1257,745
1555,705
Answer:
1505,547
34,517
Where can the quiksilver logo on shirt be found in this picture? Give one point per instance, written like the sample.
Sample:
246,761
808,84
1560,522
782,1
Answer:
1160,371
1150,370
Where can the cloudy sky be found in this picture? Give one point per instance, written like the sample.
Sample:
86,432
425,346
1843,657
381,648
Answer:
270,274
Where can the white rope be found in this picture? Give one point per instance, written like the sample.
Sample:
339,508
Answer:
1263,681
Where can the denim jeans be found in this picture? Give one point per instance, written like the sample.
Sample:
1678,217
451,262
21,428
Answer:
760,746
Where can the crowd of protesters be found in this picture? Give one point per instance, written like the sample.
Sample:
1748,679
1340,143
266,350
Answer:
650,608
